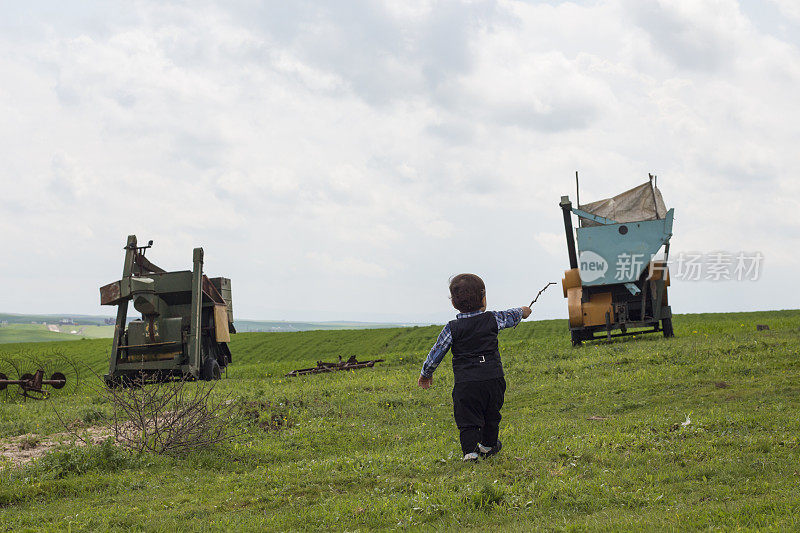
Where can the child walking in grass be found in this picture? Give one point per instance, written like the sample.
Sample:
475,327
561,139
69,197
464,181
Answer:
479,387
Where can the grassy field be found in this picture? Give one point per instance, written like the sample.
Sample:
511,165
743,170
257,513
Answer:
592,439
287,326
15,333
20,331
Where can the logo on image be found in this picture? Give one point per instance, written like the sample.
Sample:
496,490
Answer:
593,266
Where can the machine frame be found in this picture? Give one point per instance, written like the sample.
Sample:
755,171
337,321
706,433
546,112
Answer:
185,325
633,300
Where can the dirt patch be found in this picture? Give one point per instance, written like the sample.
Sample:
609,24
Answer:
23,449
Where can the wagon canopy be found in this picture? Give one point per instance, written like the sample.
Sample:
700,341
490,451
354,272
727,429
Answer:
640,203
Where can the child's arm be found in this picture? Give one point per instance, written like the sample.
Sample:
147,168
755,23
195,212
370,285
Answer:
435,356
511,317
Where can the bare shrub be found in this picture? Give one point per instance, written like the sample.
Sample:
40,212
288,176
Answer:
171,417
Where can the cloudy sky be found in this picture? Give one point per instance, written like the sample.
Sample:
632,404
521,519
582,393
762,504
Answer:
341,160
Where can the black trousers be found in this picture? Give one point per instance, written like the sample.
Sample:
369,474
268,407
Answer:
476,406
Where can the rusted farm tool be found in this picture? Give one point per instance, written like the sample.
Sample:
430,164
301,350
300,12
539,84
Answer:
323,367
33,378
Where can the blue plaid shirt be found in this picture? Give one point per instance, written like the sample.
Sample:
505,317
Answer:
505,319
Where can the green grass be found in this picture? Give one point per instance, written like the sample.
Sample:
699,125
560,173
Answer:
26,332
287,326
30,333
92,332
369,450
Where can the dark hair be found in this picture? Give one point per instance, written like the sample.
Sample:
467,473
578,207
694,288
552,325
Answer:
467,292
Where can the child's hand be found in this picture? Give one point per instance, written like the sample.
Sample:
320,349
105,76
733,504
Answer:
526,311
424,382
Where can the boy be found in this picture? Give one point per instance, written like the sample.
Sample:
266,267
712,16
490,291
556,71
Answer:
479,382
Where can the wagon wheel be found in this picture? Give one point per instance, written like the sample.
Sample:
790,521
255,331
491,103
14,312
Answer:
577,336
11,370
210,370
67,370
7,371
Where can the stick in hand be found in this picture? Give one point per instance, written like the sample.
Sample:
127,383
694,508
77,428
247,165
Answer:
540,293
534,300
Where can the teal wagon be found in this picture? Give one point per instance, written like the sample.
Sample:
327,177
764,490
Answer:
614,285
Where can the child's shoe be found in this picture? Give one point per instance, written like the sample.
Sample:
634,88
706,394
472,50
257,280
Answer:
488,452
472,456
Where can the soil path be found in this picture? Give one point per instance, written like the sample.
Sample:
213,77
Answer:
23,449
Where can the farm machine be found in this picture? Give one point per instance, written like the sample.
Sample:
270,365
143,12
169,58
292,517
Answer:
185,325
614,284
28,377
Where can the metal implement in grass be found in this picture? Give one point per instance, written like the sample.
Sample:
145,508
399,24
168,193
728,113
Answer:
614,283
323,367
35,377
185,325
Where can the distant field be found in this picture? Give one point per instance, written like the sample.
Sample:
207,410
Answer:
14,318
697,432
287,326
40,333
19,328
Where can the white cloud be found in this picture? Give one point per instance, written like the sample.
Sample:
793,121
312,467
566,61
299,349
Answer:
393,143
553,243
698,35
346,265
790,8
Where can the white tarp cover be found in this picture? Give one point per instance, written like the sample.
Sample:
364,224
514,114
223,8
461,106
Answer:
640,203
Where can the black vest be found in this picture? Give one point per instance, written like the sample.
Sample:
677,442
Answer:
475,353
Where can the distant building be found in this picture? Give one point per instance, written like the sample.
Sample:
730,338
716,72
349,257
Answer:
110,321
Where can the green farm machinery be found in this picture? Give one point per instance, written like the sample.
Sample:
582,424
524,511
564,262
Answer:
185,325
